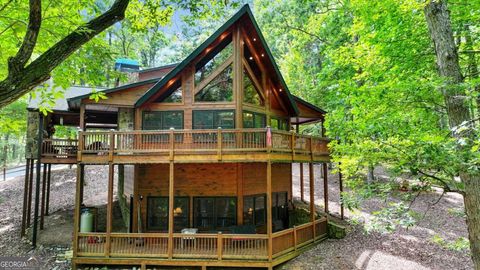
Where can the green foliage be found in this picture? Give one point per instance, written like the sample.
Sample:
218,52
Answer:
371,65
388,219
460,244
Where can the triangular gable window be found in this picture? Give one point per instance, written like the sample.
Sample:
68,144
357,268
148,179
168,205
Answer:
175,97
214,74
219,89
174,94
251,93
213,59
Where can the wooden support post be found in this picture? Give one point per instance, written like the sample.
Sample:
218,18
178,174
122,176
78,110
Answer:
340,183
269,209
312,196
78,205
109,208
112,145
82,117
170,210
325,185
49,176
81,143
238,82
172,143
239,194
219,246
295,237
42,205
25,199
30,191
302,191
219,143
37,182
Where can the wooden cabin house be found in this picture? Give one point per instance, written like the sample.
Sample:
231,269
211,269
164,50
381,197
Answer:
205,149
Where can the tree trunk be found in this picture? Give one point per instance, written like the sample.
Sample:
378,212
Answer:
370,175
439,25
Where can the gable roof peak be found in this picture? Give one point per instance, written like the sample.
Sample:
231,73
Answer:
243,11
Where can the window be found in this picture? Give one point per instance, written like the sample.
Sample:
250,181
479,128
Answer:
214,119
215,213
257,72
254,209
280,210
253,120
173,94
161,120
279,123
213,60
157,213
251,93
220,89
274,123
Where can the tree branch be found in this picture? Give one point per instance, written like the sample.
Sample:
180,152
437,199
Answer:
6,5
16,63
22,81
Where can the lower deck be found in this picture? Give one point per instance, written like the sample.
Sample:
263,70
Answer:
234,250
231,214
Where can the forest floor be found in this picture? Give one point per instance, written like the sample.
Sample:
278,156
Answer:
417,248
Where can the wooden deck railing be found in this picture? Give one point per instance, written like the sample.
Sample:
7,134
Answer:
193,246
219,141
59,148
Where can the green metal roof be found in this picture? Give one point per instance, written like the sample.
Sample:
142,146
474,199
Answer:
244,10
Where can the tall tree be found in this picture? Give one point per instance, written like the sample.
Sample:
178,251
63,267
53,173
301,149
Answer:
460,119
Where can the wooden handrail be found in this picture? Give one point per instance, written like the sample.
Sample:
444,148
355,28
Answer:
216,141
210,245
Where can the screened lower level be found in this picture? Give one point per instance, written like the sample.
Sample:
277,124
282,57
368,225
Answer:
229,197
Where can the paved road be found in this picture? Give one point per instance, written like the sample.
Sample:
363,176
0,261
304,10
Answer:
20,171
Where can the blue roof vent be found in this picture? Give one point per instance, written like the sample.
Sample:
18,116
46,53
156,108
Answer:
127,65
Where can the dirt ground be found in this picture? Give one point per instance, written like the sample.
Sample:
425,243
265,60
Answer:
412,249
404,249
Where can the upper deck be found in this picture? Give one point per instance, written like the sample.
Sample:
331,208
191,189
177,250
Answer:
187,146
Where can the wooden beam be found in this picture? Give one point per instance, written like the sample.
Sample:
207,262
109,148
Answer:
82,117
254,79
170,209
212,76
238,76
30,191
302,198
44,188
49,176
325,185
340,183
312,196
37,182
25,199
78,205
269,209
240,193
109,209
312,191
